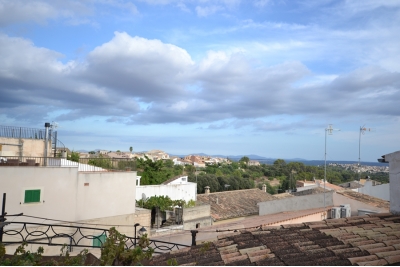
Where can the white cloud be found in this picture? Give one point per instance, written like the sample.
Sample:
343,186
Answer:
205,11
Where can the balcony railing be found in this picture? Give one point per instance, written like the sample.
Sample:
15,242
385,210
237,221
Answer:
86,164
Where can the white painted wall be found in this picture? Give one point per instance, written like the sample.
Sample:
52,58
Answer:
64,195
108,194
380,191
185,191
355,205
394,177
296,203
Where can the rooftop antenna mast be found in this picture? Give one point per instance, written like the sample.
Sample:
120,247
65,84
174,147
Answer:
328,131
362,132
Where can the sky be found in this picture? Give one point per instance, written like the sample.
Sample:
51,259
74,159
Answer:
228,77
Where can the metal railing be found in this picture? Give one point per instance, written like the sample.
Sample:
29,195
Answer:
86,164
72,236
31,133
22,132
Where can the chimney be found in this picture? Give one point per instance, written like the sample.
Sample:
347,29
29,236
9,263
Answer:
264,187
207,191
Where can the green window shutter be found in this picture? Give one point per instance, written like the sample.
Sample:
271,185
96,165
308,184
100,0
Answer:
32,196
99,240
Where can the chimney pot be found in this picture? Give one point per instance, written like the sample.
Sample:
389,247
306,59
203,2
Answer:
207,191
264,187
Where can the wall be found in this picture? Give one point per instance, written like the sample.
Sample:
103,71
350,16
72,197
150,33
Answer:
296,203
64,195
197,216
30,148
354,204
394,177
175,192
103,194
57,186
143,217
380,191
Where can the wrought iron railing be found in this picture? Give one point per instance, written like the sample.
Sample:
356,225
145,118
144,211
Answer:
72,236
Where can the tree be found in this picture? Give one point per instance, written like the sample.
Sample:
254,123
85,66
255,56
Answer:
74,156
131,149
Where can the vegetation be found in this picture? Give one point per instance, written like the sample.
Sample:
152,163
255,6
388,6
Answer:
156,172
113,252
164,203
74,156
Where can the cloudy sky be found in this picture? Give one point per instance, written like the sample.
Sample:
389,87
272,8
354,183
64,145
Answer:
232,77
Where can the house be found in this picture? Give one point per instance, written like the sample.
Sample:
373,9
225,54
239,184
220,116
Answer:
75,194
253,163
176,188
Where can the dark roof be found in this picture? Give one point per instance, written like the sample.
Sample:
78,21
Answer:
363,240
233,204
367,199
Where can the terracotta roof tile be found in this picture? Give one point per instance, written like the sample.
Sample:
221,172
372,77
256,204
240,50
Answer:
294,246
233,204
381,249
380,262
363,259
393,259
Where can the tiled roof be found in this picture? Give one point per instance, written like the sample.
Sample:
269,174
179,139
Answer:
233,204
362,240
374,201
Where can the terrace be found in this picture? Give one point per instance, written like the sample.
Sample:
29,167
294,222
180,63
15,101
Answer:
88,164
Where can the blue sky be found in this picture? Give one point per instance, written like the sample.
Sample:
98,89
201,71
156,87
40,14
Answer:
228,77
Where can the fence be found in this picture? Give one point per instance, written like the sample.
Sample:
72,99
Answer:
72,236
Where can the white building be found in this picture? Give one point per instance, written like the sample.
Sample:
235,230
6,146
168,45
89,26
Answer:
176,188
66,193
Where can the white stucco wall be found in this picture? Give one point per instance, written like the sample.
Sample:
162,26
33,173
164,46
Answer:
380,191
355,205
296,203
64,195
174,191
394,177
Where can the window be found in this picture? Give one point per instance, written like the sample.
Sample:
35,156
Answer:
32,196
99,240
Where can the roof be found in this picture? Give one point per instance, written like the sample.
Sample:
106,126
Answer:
310,191
236,203
363,240
329,186
352,185
367,199
172,179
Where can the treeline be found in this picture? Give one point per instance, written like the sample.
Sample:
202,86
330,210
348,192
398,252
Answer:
236,175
